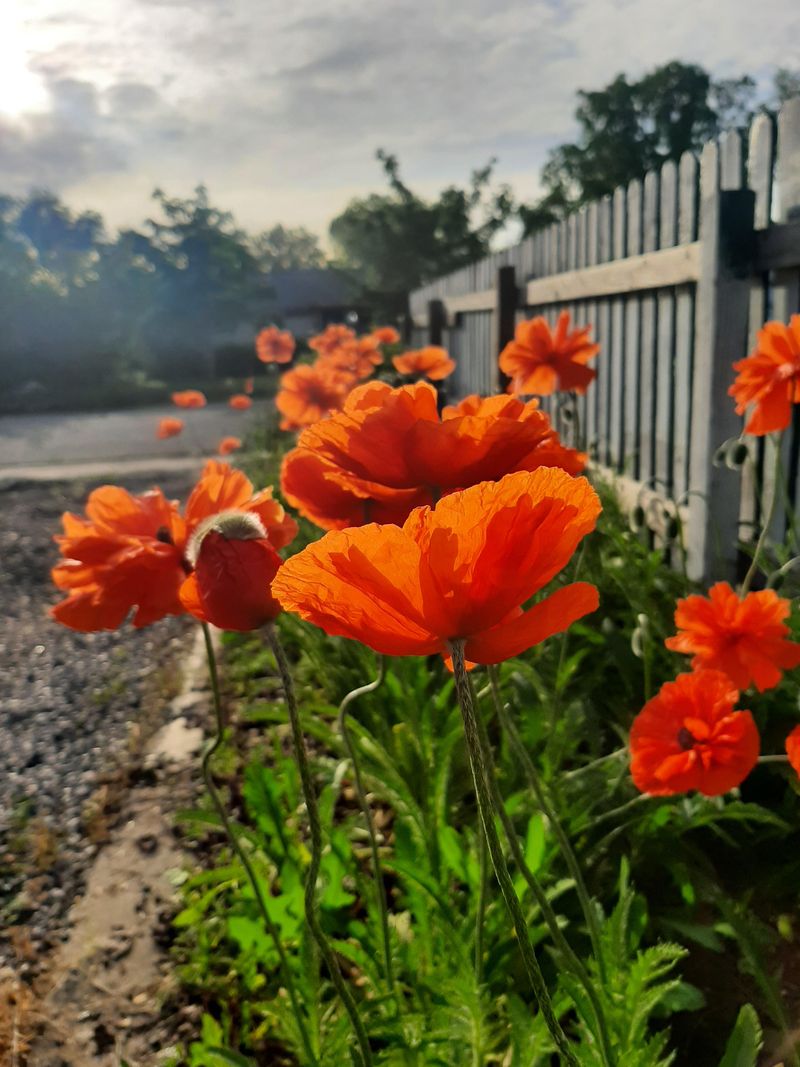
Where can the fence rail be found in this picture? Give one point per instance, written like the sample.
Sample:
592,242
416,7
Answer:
676,274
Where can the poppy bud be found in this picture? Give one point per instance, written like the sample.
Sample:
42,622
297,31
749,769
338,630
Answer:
234,567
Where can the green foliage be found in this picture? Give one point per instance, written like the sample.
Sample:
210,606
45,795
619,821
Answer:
630,127
673,898
394,242
745,1042
287,248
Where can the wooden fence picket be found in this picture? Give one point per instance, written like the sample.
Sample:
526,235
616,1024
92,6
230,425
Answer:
676,286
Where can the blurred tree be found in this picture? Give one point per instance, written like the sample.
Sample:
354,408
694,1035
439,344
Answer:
787,84
287,248
393,242
630,127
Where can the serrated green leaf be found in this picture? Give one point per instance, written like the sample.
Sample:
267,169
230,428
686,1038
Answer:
745,1041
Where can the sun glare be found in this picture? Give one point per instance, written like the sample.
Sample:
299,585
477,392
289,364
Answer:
20,89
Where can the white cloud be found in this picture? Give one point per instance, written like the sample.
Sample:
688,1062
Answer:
279,107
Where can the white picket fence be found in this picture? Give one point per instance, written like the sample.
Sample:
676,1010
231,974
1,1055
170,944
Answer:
676,274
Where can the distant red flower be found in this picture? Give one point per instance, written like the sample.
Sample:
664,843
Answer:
131,553
234,564
274,345
169,427
357,358
793,749
743,636
769,378
240,402
459,571
386,335
432,363
309,393
689,736
189,398
331,338
541,362
249,385
228,445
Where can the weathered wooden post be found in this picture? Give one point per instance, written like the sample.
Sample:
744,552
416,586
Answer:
505,316
437,320
723,290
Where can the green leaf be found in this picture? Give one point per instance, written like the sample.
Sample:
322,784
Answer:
210,1031
225,1057
745,1041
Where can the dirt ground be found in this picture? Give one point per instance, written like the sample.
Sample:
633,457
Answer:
98,742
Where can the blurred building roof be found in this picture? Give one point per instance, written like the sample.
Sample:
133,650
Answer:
312,288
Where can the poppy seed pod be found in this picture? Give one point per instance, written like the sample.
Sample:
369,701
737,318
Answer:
234,567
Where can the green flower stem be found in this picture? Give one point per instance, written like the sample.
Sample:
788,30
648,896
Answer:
766,520
241,854
481,912
310,797
560,941
488,814
366,811
536,784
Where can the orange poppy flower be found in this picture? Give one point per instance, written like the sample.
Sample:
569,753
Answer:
274,345
222,488
386,335
770,378
743,636
305,482
689,736
249,386
169,427
234,564
504,406
331,338
357,358
123,555
308,393
431,362
189,398
793,749
240,402
228,445
460,571
130,552
541,362
390,447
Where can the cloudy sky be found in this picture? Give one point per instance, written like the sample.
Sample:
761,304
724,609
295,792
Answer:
279,105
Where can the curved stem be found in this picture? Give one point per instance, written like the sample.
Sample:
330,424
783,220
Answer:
241,854
488,814
366,811
310,797
560,941
767,519
481,912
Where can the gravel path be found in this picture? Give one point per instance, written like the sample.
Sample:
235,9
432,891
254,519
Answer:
75,710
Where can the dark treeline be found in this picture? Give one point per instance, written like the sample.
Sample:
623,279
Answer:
88,318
